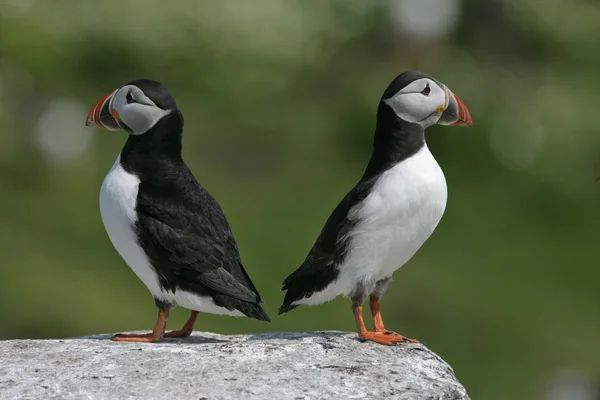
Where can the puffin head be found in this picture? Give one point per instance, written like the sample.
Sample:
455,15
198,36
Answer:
135,107
420,99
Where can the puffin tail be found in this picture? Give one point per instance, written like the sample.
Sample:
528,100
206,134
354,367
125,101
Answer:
304,282
249,309
261,315
285,307
256,311
291,295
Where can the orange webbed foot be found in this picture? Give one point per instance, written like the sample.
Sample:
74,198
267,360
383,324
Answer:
181,333
389,338
187,329
146,338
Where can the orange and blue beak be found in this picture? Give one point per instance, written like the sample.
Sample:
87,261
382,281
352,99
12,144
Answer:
455,113
102,115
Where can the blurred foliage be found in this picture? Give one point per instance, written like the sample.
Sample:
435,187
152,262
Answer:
279,100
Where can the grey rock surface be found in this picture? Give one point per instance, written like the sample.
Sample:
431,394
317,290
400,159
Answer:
314,365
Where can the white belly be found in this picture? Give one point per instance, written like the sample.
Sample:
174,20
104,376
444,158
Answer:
403,210
118,197
404,207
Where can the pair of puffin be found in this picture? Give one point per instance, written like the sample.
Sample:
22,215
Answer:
175,237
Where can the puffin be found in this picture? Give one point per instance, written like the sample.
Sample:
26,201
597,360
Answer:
390,213
167,227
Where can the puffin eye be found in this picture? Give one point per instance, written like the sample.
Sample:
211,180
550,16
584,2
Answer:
426,91
129,98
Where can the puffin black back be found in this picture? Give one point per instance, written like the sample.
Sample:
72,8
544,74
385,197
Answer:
166,226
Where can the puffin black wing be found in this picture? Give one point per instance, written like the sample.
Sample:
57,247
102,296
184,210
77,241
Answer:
321,266
190,245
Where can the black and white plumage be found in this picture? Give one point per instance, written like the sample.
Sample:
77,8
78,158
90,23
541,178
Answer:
394,208
164,224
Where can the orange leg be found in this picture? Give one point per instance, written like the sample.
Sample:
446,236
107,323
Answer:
377,337
378,322
156,335
187,329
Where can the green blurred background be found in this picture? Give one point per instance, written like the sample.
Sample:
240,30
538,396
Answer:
279,99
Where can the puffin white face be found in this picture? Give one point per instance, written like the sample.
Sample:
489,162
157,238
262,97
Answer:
135,110
420,102
126,108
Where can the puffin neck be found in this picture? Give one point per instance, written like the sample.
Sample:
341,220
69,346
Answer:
395,140
143,153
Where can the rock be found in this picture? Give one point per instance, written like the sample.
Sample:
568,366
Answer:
315,365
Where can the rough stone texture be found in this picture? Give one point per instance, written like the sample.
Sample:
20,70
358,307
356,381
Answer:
316,365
